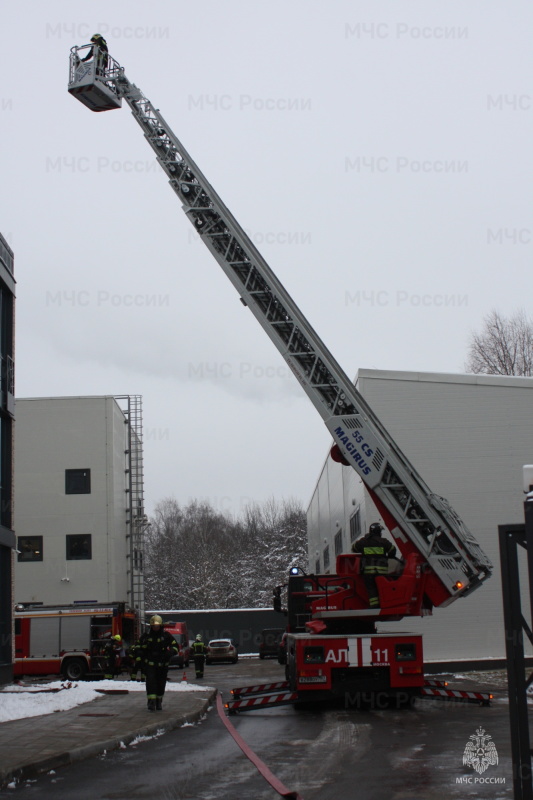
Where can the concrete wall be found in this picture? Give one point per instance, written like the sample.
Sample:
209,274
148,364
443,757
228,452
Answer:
468,436
53,435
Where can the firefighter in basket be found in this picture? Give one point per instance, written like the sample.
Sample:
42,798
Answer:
155,648
376,550
99,45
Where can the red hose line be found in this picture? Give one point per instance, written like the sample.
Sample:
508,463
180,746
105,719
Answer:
256,761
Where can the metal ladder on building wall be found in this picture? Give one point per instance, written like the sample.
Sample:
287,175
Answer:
137,518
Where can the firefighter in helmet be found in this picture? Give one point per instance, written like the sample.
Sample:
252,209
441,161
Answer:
112,656
199,651
154,650
102,58
136,673
376,550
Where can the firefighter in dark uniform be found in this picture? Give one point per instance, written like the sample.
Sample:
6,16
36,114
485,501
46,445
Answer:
112,656
199,652
136,673
375,550
102,58
154,650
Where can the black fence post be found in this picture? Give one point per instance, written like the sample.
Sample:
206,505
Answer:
512,536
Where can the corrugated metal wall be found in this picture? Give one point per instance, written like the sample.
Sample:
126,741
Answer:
469,437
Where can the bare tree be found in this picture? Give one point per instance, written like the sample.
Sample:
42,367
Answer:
503,347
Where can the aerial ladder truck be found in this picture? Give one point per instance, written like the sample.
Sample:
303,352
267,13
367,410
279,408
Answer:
333,644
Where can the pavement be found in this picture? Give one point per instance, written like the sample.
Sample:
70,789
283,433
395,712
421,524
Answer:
33,745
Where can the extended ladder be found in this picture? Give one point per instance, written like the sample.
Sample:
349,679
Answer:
418,519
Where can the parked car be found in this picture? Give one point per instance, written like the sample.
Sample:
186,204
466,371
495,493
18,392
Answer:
269,642
179,631
221,650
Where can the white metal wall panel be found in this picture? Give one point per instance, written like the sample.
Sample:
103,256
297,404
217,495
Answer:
469,437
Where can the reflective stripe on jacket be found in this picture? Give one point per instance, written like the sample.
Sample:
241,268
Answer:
376,550
156,649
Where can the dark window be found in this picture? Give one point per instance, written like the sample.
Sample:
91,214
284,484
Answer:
77,481
338,543
313,655
317,566
79,547
326,557
406,652
355,526
30,547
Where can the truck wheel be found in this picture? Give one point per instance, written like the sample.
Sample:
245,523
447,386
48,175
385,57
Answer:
75,669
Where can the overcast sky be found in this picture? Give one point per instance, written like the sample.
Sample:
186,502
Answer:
379,154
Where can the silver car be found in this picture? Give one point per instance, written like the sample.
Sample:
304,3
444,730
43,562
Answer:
221,650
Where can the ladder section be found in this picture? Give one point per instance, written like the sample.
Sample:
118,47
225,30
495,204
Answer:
137,517
424,519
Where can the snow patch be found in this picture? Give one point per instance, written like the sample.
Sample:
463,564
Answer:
19,702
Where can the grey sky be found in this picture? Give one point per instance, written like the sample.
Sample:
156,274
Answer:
378,154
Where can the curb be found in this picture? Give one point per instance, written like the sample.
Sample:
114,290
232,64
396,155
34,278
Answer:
68,757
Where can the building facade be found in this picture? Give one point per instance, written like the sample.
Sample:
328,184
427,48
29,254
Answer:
7,408
79,500
468,436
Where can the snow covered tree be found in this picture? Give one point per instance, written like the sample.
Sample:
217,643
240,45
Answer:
277,540
198,558
503,347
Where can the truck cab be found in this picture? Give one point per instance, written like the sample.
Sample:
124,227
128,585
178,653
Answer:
181,636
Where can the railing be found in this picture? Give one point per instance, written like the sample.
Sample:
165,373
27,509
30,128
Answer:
101,66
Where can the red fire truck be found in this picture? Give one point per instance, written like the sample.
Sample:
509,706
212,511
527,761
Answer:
333,648
69,640
332,638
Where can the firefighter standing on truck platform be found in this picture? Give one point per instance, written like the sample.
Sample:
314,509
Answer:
376,550
199,651
154,650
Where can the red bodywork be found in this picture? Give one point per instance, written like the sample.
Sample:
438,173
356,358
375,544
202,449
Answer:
384,662
48,640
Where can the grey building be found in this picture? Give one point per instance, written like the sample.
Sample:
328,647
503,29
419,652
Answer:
79,500
468,436
7,407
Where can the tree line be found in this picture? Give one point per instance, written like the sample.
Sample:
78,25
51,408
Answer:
197,557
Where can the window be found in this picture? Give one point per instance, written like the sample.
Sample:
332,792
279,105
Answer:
77,481
79,547
326,557
338,542
317,567
30,547
355,526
